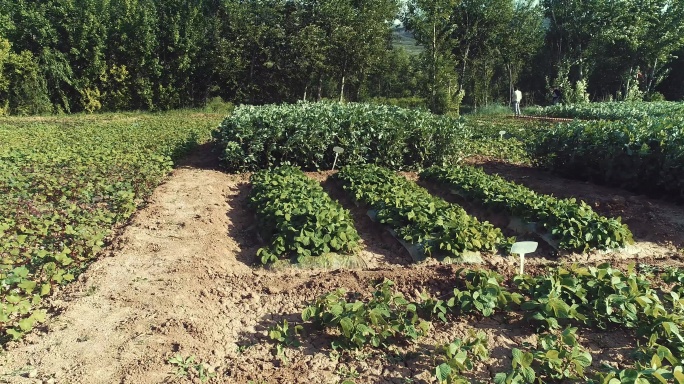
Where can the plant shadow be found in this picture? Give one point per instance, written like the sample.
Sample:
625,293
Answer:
242,225
204,156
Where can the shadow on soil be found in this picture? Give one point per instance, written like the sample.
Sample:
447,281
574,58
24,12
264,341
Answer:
204,156
242,228
375,238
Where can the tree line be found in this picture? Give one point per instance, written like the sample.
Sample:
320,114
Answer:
89,55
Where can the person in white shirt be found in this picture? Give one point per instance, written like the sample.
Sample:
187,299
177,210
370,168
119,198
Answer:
517,97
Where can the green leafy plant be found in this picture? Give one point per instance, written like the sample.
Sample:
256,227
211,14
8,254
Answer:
348,373
296,217
521,369
387,316
481,292
187,367
653,374
431,306
561,357
558,358
284,336
598,296
459,356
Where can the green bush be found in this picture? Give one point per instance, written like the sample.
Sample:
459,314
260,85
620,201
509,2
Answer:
654,96
645,156
304,135
217,105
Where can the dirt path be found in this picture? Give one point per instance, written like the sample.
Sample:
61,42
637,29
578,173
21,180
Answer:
178,281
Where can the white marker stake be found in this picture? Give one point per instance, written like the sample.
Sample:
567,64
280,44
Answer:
337,151
521,248
501,133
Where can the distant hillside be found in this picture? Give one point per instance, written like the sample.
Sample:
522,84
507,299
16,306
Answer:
404,38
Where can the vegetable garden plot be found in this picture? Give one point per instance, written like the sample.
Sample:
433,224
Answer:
558,306
298,219
435,227
574,226
305,134
228,308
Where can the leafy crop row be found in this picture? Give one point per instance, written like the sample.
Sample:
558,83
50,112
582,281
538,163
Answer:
418,217
595,297
558,304
610,110
304,135
64,184
575,225
296,217
645,156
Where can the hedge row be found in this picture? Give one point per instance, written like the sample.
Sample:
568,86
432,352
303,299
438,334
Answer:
644,156
304,135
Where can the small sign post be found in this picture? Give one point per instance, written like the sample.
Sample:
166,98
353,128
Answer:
502,133
337,151
521,248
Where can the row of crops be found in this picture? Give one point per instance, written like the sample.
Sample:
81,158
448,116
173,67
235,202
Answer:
558,306
640,151
640,155
298,219
610,110
304,135
573,224
65,183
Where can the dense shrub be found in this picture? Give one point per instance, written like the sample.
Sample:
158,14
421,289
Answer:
305,134
610,110
645,156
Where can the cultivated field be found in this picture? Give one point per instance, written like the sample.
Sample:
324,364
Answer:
185,289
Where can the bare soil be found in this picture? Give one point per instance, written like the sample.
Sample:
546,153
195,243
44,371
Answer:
181,279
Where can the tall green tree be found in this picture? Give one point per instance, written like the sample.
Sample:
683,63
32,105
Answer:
432,24
636,42
522,42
